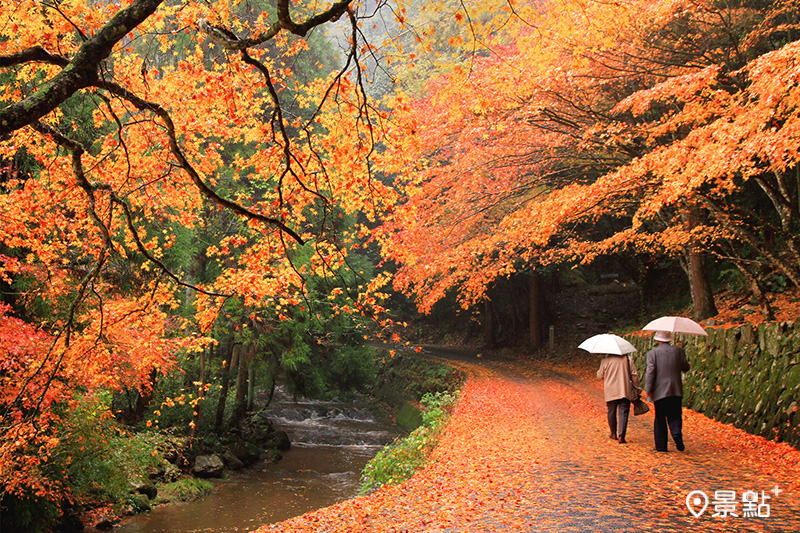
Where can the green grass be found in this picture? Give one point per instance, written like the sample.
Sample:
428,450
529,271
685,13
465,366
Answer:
183,490
404,457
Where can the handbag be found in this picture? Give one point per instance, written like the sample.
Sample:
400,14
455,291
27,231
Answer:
640,407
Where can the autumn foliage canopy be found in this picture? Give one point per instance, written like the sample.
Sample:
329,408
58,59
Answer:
577,129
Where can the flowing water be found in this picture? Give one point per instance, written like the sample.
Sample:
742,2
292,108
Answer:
331,444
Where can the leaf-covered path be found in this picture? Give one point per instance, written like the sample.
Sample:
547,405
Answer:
527,449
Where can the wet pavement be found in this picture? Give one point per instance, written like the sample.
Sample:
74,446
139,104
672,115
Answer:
527,449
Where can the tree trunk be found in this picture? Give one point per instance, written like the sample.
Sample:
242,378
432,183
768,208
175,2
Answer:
702,296
201,392
273,368
240,405
763,302
797,183
226,381
535,325
489,326
251,385
144,398
134,412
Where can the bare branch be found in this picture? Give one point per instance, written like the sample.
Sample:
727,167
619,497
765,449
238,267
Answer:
151,258
227,40
184,163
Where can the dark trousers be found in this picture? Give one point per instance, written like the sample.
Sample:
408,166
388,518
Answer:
668,415
624,407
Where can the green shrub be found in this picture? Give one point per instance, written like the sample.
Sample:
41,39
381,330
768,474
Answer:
409,376
27,513
352,366
401,459
435,407
98,460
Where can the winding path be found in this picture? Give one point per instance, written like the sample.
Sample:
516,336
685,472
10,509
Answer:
527,450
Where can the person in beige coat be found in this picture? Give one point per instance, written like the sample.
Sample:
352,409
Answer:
617,372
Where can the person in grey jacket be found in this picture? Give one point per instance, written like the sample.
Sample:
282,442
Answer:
664,387
619,379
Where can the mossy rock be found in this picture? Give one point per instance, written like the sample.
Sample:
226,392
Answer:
183,490
731,343
139,503
796,336
762,336
748,334
773,341
408,416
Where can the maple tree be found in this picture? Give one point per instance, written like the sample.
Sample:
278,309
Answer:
591,128
126,125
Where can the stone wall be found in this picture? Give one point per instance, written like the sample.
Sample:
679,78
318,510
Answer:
745,376
580,311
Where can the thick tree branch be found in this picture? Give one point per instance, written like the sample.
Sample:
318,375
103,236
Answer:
79,73
285,19
36,54
225,39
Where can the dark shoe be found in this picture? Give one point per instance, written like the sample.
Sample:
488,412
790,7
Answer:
657,450
622,440
679,442
612,436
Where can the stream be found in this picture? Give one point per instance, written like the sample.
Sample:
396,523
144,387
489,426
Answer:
331,443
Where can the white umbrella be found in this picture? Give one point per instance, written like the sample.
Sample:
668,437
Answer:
607,343
676,324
